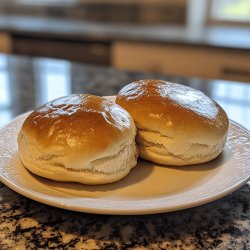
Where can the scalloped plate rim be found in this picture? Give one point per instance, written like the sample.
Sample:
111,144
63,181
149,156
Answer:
62,203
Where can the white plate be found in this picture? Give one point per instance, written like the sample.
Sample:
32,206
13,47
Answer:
149,188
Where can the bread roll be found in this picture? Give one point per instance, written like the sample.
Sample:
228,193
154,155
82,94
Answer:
176,124
79,138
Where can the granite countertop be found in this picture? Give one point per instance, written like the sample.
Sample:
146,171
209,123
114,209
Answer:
27,224
214,36
223,224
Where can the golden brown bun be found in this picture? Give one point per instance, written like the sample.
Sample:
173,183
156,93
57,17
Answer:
81,138
177,125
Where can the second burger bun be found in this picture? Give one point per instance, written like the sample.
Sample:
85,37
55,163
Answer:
176,124
79,138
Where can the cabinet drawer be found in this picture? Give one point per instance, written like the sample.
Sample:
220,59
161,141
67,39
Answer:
182,60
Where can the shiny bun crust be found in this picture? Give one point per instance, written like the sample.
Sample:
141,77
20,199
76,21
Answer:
176,124
79,138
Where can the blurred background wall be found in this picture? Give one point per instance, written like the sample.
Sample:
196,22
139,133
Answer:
198,38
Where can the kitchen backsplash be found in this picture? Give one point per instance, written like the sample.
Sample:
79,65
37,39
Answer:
159,12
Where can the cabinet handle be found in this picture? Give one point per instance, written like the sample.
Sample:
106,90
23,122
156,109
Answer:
236,72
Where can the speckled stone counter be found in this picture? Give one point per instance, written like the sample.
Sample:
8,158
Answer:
218,36
26,224
223,224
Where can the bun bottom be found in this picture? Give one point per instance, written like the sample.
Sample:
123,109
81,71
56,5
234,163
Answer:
147,154
161,149
83,177
104,170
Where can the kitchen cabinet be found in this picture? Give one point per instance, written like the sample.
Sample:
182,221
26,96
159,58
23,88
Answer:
88,51
5,42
